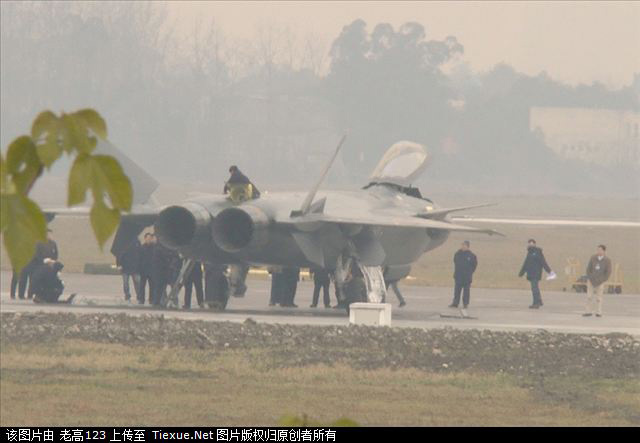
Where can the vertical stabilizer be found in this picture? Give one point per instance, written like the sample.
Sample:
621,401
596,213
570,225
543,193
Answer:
143,184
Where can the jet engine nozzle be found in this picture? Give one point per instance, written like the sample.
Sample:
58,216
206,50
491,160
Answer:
240,228
182,226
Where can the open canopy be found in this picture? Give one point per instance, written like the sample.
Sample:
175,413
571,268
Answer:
401,165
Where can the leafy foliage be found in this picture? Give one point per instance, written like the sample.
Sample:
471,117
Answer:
23,223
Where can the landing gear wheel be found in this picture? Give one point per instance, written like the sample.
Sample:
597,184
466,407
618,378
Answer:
356,291
219,304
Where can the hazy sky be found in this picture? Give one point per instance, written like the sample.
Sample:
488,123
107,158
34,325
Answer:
573,41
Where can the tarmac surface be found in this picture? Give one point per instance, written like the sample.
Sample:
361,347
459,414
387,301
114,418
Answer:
492,309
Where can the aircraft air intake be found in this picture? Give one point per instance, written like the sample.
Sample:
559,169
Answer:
235,229
182,226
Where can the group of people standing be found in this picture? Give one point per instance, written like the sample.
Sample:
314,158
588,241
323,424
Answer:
152,265
284,284
149,264
597,273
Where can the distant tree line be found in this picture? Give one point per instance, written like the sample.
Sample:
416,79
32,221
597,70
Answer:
277,105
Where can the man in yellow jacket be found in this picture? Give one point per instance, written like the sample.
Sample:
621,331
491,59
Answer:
598,272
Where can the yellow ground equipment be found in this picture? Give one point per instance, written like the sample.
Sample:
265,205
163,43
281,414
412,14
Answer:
577,280
239,193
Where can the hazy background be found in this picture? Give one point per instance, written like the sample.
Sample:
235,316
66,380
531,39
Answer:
188,88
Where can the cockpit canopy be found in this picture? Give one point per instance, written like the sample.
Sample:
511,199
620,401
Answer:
401,165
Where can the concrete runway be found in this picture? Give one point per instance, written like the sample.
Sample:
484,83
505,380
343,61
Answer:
495,309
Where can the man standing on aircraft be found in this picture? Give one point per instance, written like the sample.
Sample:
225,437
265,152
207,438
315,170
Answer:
533,265
465,263
598,272
239,187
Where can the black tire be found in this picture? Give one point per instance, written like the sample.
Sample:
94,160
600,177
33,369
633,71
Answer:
221,298
355,291
618,290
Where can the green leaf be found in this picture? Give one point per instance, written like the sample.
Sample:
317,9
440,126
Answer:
93,121
45,122
79,179
23,163
100,173
75,135
104,221
23,225
4,212
113,180
49,152
5,184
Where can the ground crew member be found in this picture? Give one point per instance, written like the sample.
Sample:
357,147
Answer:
321,280
47,286
194,279
336,288
465,263
393,284
129,264
165,266
598,272
146,254
277,285
48,249
533,265
14,283
239,187
290,285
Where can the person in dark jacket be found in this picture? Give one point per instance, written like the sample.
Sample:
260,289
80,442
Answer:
48,249
23,279
393,284
129,264
239,187
533,265
165,265
47,286
146,255
44,250
321,280
465,263
277,285
290,284
194,279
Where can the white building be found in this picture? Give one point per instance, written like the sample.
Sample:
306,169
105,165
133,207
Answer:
603,136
